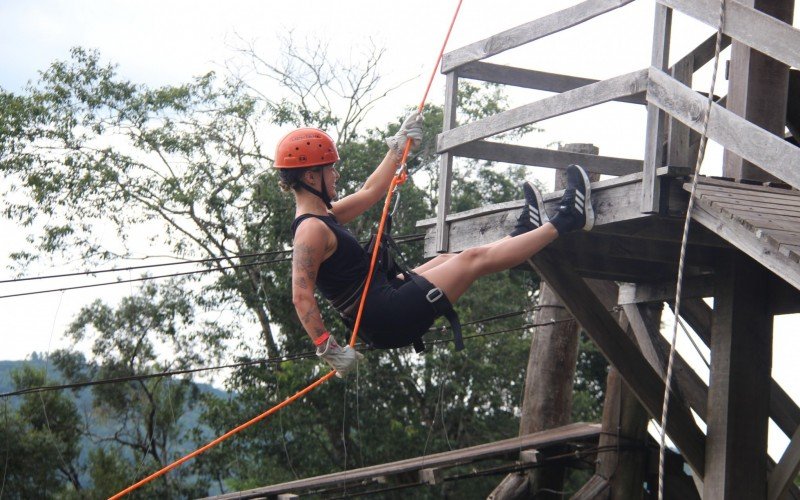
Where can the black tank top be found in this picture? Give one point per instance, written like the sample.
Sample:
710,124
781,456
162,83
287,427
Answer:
347,267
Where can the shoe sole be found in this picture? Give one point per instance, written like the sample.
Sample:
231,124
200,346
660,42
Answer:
588,210
543,217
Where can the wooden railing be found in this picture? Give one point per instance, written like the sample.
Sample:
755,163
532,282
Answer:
675,111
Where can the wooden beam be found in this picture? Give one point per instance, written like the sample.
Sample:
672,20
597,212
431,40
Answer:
787,469
756,29
686,383
703,53
757,90
770,152
528,32
654,151
506,447
632,293
739,382
446,165
782,409
549,107
540,157
532,79
744,240
622,353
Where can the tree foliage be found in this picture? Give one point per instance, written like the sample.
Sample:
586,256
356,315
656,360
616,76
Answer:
183,168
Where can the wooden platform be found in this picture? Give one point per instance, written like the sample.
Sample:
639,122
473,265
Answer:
573,435
630,246
763,222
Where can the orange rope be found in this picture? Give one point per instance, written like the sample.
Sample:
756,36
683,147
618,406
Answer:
399,178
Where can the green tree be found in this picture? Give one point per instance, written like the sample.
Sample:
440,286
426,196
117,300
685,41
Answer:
39,441
84,149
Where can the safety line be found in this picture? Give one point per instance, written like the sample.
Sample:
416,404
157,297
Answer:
399,178
682,259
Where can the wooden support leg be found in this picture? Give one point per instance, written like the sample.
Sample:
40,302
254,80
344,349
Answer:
622,352
738,396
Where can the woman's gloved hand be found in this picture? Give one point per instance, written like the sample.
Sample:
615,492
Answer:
341,359
410,129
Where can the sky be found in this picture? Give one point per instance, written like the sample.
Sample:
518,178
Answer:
160,43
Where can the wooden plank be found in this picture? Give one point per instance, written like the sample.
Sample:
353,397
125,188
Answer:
783,410
703,53
756,29
550,107
540,157
512,446
654,152
729,184
787,469
532,79
753,209
698,286
686,383
622,353
529,32
446,165
757,90
679,136
739,382
754,198
746,241
753,143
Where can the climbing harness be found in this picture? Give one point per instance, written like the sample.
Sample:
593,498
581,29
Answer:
684,244
391,264
399,178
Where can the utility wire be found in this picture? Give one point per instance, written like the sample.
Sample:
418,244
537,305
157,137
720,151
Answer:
276,359
145,278
402,239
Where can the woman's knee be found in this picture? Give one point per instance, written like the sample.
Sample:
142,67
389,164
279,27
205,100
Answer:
474,258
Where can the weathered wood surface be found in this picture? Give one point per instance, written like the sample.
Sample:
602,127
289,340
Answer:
783,410
574,432
529,32
446,164
786,470
655,131
549,107
757,90
533,79
770,152
622,352
739,382
756,29
614,200
631,293
540,157
768,238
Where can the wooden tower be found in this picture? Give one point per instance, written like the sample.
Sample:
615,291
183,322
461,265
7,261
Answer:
743,250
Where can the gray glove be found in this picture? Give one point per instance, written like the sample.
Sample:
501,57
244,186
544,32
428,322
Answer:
411,129
341,359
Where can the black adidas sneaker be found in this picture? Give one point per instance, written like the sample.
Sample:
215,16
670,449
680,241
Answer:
575,210
533,214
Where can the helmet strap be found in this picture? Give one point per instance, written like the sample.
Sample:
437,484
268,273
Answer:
323,195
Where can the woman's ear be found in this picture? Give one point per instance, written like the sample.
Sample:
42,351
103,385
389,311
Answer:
309,177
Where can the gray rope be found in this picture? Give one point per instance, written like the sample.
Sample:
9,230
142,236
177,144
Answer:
684,241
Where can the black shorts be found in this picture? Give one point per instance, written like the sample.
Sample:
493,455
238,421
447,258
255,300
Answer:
397,312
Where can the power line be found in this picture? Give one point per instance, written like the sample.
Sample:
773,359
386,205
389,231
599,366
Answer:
401,239
144,278
143,266
277,359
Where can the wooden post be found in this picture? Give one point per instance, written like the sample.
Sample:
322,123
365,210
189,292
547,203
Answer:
739,388
446,165
758,89
654,147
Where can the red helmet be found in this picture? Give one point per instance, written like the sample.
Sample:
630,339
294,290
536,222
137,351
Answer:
305,147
